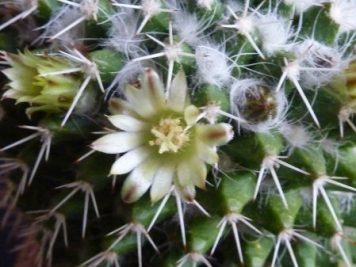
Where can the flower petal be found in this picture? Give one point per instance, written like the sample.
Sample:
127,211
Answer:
184,173
192,172
115,143
178,92
138,182
153,87
126,123
119,106
199,173
162,182
215,134
130,160
138,101
191,115
188,193
207,153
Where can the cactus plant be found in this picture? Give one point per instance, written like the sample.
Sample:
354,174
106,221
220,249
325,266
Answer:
178,133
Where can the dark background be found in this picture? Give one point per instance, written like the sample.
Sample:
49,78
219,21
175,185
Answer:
7,257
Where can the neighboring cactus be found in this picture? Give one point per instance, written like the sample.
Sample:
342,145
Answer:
227,132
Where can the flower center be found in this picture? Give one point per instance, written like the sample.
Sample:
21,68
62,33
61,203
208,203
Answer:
169,134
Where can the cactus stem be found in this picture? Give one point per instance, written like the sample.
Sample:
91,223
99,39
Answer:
318,187
20,16
87,189
60,223
91,71
10,165
237,242
139,249
88,10
160,208
244,25
46,139
150,9
172,51
110,257
336,244
292,72
179,204
344,117
69,27
221,225
89,68
285,237
21,141
137,228
75,100
269,163
181,218
44,235
195,258
200,207
86,155
212,111
61,72
233,219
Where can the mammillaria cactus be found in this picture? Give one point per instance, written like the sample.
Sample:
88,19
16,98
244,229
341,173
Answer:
178,133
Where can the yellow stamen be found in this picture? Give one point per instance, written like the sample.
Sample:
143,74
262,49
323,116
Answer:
170,135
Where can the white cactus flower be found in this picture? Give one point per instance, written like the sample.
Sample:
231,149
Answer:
162,140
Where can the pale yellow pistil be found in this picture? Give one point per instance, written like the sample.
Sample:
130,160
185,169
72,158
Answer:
170,135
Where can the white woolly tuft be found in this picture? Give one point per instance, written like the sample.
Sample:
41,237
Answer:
25,4
241,89
213,65
70,20
322,63
296,135
307,195
59,20
126,75
235,6
343,12
275,32
188,27
123,35
346,200
303,5
151,7
207,4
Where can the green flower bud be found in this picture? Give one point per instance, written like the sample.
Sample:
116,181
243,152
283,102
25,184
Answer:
40,80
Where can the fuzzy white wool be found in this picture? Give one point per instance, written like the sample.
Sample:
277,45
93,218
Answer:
207,4
274,31
123,35
343,12
188,27
303,5
235,6
241,89
151,7
70,16
323,63
213,66
296,135
25,4
128,74
65,16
